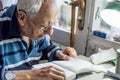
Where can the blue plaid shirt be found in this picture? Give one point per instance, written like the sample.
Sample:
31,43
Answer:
14,52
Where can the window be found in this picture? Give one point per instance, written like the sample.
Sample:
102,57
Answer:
112,33
64,18
62,28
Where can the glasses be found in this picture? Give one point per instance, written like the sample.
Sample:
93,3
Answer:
43,28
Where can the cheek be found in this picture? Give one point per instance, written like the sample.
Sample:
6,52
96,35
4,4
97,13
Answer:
33,34
38,35
50,31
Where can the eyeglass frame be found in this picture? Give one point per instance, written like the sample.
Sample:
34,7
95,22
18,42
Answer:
45,27
41,30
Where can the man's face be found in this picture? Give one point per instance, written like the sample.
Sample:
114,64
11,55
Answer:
37,29
39,24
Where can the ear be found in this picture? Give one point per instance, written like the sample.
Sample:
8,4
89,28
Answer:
22,18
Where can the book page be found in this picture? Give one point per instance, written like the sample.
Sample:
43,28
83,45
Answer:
69,74
103,56
76,65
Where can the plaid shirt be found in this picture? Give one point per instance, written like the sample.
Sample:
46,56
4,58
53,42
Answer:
14,52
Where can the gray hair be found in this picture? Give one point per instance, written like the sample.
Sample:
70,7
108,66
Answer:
31,7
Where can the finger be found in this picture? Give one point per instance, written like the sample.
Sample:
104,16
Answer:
64,56
54,73
57,77
57,69
60,55
72,54
53,70
70,51
52,67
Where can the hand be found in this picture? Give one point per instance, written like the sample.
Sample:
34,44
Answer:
67,53
47,73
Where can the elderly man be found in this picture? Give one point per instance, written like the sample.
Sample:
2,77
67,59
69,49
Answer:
25,31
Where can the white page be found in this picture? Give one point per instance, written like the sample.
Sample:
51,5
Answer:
69,74
103,56
76,65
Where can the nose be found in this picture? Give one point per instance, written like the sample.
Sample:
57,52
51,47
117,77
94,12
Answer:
49,31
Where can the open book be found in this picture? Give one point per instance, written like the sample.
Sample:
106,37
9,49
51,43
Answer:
72,67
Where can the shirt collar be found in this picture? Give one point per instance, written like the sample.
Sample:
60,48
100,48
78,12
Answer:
13,27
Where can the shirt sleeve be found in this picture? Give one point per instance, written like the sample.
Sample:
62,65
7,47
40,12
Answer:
6,13
50,50
8,3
